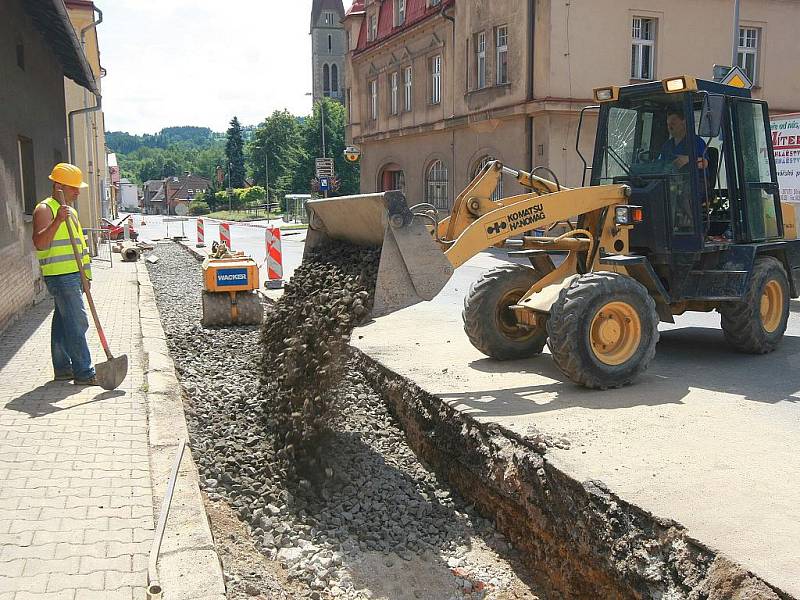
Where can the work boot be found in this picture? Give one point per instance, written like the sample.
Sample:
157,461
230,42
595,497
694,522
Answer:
91,381
63,377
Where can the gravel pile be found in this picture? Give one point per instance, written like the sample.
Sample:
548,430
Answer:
304,341
371,496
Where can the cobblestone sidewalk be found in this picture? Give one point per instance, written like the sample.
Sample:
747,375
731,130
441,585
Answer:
76,505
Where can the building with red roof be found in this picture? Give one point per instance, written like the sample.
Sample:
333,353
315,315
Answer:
436,88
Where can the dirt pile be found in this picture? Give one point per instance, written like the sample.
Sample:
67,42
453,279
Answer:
304,340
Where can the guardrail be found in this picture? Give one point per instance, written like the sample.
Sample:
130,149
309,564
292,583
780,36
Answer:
99,245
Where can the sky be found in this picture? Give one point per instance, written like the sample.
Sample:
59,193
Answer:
200,62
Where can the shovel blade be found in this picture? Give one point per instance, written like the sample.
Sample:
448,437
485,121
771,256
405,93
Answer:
112,373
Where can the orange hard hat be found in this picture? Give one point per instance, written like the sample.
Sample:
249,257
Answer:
67,174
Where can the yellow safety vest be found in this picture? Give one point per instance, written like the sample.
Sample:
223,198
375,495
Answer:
58,258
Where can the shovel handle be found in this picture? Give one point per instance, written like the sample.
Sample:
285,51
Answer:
85,282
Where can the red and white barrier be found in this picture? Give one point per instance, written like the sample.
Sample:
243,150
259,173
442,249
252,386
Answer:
274,259
201,234
225,234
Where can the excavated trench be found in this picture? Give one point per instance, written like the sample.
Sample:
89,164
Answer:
578,538
316,460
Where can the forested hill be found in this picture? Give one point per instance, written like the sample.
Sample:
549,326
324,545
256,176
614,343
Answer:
125,143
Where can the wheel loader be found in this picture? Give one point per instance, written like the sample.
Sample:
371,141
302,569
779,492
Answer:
682,213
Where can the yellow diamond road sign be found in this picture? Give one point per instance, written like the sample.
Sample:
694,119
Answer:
737,78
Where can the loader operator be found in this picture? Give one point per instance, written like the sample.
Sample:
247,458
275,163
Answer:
676,148
676,151
68,347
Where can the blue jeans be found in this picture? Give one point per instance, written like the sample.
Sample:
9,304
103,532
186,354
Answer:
68,345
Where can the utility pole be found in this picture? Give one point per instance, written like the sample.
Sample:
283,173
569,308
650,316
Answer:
266,166
735,45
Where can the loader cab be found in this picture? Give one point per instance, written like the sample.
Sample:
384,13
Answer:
698,157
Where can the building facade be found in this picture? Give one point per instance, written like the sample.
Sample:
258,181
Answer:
436,88
89,141
42,50
172,195
328,49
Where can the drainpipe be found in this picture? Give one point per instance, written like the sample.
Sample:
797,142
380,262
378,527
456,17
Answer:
86,111
531,67
443,13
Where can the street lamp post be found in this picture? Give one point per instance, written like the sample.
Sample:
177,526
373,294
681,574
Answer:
230,186
322,116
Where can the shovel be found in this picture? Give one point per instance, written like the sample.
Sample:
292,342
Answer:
109,374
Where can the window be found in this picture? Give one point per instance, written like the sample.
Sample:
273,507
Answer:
762,201
748,52
407,89
348,100
391,178
21,55
326,80
329,17
480,60
399,12
393,84
373,99
27,174
335,80
330,44
642,48
436,79
501,42
498,191
372,32
436,186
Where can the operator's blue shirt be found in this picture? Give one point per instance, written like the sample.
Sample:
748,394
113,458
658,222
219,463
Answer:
670,150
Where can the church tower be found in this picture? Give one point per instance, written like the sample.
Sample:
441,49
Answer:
328,49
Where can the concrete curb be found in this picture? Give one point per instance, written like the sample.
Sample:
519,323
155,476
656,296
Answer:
189,566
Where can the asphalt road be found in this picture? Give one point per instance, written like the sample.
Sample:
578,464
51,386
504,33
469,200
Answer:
251,239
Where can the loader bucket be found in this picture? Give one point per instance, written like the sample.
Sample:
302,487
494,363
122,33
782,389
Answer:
413,267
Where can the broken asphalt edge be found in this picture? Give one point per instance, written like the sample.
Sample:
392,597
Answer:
189,567
578,538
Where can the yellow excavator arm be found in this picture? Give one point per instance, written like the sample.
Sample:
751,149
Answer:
420,254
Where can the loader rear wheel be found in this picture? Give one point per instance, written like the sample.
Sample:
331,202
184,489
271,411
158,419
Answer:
757,323
489,322
603,330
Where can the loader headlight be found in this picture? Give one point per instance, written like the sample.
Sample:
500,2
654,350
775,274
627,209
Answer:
605,94
679,84
628,215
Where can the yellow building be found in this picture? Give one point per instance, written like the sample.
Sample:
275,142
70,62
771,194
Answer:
86,129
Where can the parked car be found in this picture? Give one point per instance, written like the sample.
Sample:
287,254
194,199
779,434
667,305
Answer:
116,231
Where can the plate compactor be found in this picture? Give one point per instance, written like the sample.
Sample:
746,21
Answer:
229,291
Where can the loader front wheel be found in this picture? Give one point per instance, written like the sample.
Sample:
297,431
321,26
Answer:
603,330
757,323
489,322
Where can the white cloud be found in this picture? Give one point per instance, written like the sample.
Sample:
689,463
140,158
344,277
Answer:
199,62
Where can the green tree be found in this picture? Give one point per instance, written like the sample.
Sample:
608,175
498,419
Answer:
253,196
274,139
234,152
311,132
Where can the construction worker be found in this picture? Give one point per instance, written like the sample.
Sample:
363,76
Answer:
70,351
